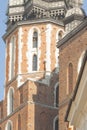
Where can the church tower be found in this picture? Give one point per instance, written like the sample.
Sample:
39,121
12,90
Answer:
32,67
71,52
31,80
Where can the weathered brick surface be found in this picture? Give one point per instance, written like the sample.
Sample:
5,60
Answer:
70,52
36,106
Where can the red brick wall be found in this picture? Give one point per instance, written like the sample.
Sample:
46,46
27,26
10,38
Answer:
70,52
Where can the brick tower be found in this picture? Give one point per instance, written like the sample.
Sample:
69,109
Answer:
31,81
32,66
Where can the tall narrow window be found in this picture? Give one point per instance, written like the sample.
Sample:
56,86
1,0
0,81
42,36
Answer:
70,78
56,122
34,67
19,122
35,39
10,101
9,126
0,128
57,96
12,57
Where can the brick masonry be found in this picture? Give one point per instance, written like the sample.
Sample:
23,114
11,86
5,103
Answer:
69,52
33,98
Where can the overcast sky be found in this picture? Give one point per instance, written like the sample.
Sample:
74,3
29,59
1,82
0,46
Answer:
3,9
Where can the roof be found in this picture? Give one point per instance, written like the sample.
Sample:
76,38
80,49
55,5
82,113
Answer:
77,85
72,33
75,10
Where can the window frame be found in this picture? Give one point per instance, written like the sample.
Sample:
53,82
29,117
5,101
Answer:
35,39
34,63
10,101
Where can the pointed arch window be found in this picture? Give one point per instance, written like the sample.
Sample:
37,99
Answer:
12,56
56,95
10,101
56,122
70,77
35,39
34,67
9,126
60,35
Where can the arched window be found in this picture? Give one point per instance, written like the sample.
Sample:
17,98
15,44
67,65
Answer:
12,57
9,125
60,35
70,77
10,101
35,39
56,95
19,122
55,123
34,67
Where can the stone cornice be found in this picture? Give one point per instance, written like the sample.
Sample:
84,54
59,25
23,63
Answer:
72,33
73,17
38,21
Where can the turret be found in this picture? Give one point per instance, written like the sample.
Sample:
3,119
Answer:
36,9
74,15
15,10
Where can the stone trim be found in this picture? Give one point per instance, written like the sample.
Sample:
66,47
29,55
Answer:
73,17
72,33
11,29
23,105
